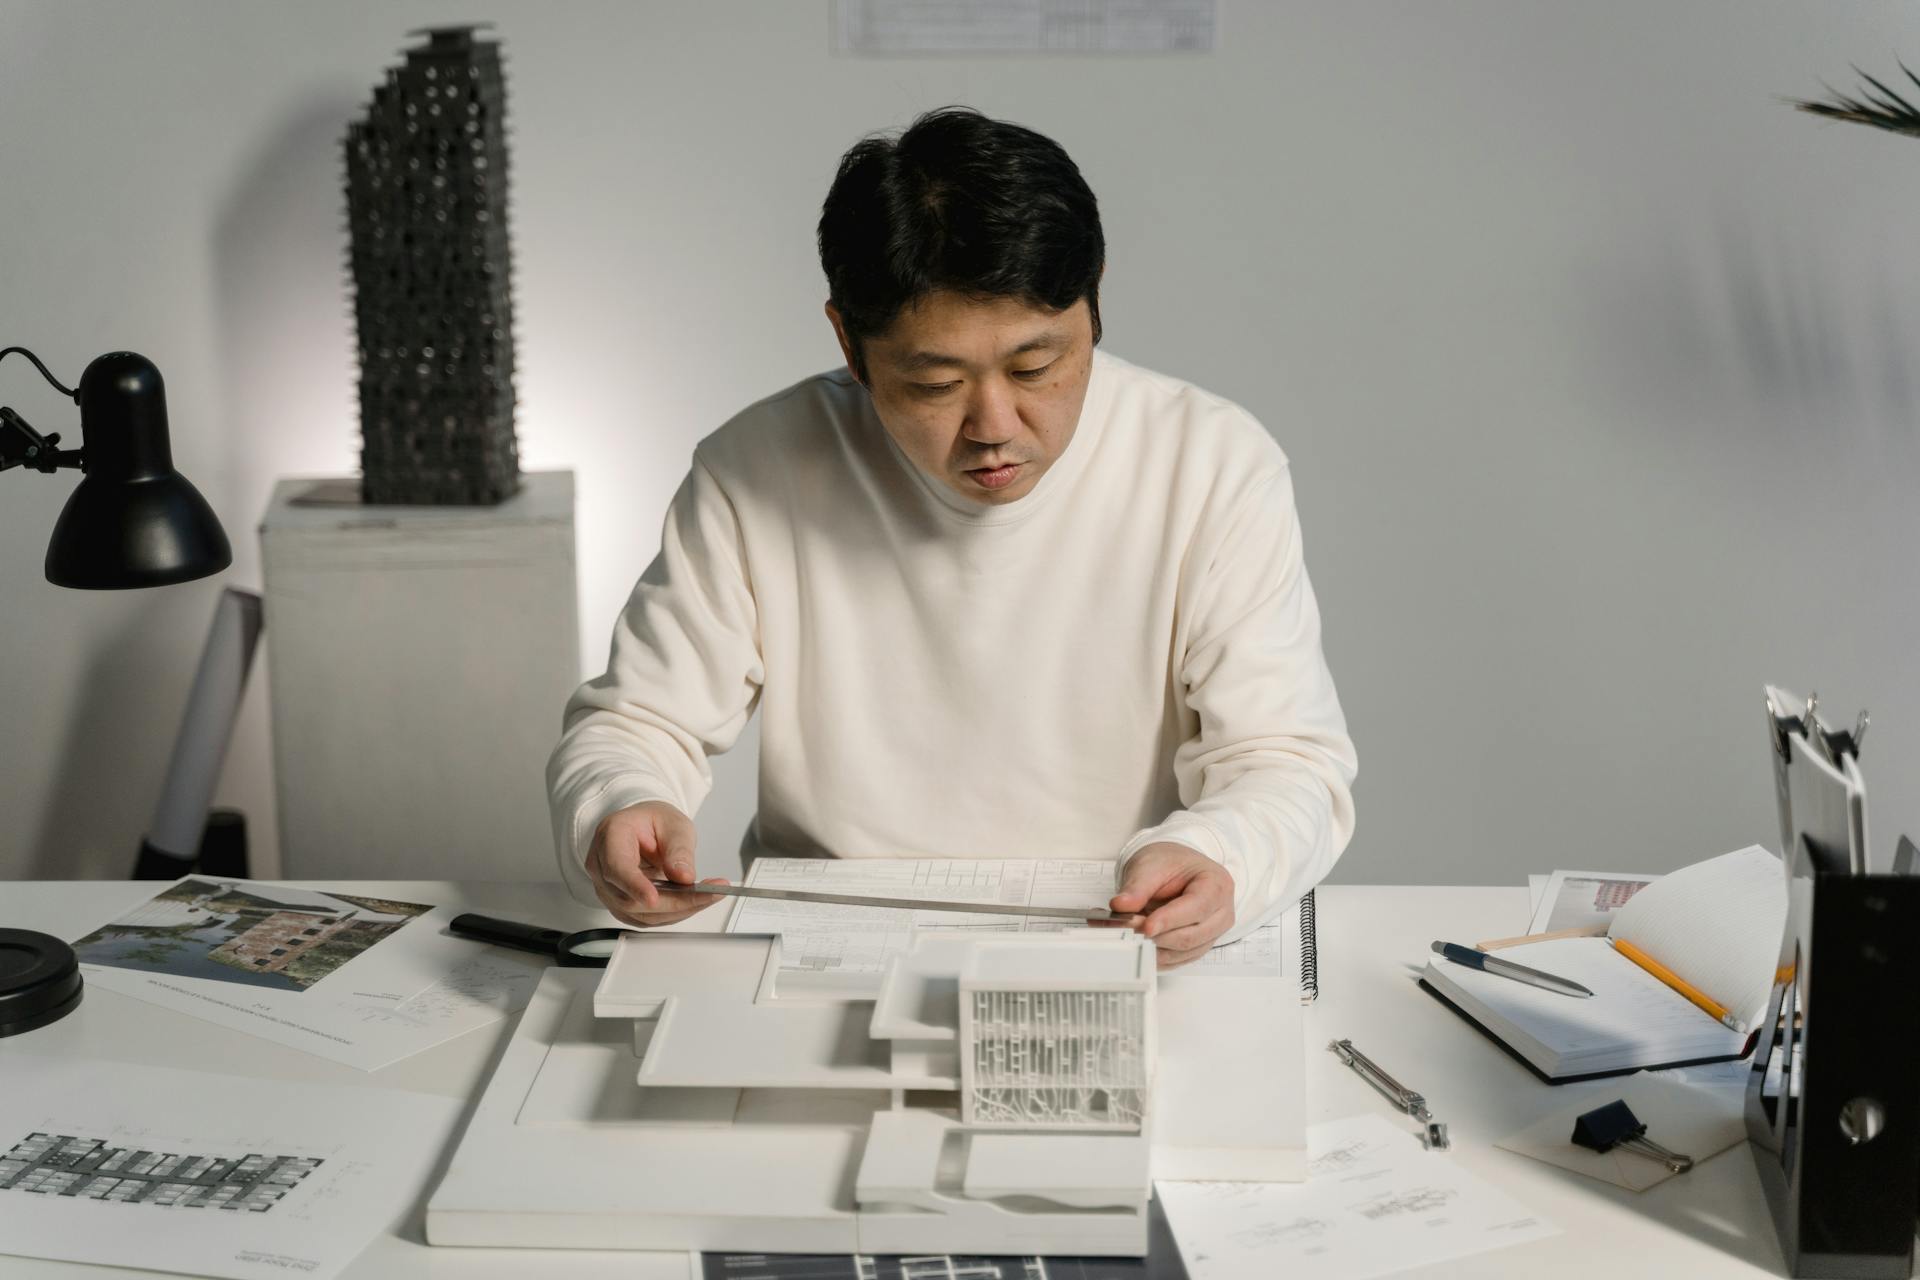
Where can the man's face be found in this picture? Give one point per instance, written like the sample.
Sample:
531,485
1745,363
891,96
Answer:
984,395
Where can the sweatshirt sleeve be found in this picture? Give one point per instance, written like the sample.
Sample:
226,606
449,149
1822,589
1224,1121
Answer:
1266,781
682,680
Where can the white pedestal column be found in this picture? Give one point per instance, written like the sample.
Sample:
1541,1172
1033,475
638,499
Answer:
419,658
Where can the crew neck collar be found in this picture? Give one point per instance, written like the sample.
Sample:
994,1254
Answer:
1059,477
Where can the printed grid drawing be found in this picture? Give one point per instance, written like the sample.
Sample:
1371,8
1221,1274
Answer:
58,1164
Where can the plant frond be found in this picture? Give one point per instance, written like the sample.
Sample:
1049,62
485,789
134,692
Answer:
1879,106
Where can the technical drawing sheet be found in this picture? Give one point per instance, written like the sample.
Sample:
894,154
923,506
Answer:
1374,1202
207,1175
827,947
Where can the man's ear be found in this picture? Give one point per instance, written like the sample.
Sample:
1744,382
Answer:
846,346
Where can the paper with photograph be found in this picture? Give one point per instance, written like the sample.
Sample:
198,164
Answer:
1584,899
410,987
258,935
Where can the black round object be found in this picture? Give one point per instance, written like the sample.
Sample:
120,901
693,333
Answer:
39,980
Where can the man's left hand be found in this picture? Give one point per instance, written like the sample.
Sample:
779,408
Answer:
1190,896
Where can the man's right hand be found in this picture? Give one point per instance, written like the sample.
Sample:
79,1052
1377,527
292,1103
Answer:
631,848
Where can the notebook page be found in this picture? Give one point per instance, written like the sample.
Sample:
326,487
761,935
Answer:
1717,925
1632,1017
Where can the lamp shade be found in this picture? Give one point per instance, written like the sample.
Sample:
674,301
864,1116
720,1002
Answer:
133,521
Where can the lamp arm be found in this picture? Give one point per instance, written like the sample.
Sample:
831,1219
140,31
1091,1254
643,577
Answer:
22,446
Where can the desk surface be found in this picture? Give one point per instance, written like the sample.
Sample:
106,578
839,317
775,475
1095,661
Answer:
1373,941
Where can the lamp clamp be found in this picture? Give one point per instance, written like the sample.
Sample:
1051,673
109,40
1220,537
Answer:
22,446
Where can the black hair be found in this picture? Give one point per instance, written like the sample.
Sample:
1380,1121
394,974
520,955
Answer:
958,202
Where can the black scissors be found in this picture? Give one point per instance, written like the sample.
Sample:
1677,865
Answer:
581,949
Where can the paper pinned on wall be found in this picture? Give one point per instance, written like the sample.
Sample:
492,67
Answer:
988,27
210,1175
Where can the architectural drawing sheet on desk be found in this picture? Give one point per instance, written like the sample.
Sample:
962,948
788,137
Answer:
413,988
207,1175
1374,1202
831,948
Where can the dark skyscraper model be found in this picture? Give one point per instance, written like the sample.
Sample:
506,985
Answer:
427,212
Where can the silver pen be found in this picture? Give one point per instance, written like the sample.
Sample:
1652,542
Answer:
1474,958
1434,1136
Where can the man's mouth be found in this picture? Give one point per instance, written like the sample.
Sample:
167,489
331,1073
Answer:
995,477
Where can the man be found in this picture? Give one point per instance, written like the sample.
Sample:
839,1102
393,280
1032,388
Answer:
995,593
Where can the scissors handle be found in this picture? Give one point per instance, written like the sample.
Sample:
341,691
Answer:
507,933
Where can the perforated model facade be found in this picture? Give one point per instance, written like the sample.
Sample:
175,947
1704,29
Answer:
1056,1059
1056,1039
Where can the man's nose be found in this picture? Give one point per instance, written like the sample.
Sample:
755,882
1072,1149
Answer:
992,418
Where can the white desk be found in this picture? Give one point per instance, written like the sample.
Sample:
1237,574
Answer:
1711,1222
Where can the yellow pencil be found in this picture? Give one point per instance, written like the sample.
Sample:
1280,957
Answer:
1675,981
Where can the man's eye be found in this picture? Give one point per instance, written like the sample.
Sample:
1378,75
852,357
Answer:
1032,375
935,388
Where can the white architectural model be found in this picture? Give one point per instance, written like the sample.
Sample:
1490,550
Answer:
1002,1093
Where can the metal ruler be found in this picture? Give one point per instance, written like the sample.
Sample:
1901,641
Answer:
897,904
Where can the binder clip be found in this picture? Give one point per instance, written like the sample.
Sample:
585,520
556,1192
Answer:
1615,1125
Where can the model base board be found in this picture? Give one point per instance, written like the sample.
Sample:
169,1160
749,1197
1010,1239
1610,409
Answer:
703,1110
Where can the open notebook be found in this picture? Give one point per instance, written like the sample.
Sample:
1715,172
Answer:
1715,924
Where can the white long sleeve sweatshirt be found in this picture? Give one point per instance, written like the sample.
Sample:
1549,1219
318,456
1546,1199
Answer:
1129,653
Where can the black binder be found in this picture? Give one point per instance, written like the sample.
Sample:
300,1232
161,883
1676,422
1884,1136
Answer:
1836,1135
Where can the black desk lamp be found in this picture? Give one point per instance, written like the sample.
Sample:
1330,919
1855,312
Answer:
133,521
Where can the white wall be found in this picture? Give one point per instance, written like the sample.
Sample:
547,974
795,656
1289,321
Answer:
1591,355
